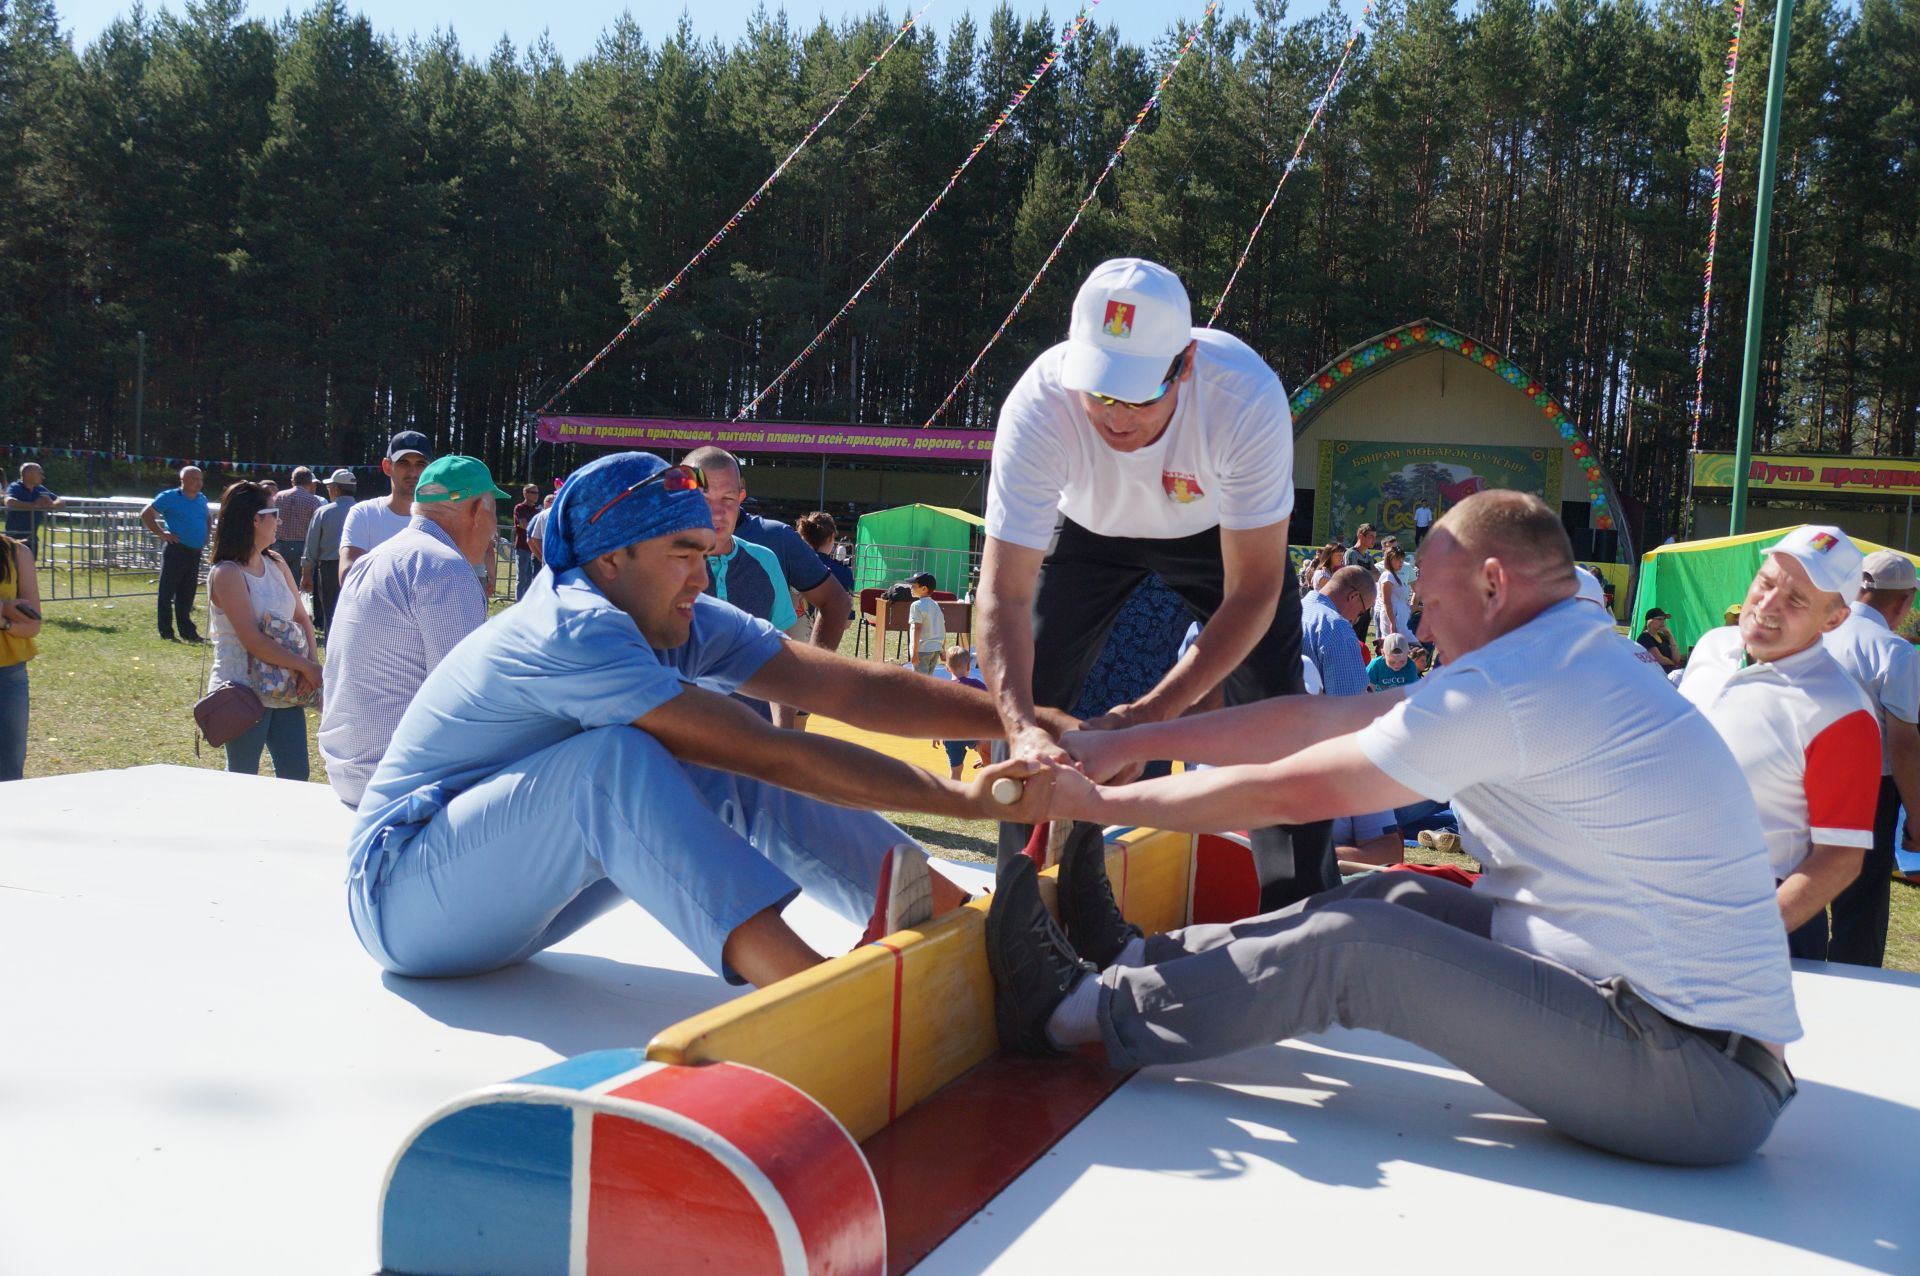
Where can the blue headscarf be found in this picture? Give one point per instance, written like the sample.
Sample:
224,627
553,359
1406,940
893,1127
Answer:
652,511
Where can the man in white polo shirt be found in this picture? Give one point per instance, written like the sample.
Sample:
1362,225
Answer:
400,613
1802,730
1143,444
1885,664
1619,969
369,523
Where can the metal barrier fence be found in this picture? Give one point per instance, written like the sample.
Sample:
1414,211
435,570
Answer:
96,547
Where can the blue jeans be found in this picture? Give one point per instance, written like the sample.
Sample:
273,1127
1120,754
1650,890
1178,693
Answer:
283,734
293,552
524,569
543,846
13,721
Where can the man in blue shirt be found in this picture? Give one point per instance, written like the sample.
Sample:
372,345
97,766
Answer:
581,749
28,500
726,493
185,535
1326,630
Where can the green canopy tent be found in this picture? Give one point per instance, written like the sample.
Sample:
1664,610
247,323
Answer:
1695,582
890,545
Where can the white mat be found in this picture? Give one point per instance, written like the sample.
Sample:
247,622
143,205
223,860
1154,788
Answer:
201,1072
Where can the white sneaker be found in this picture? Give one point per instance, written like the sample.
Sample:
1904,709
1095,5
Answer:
1440,840
905,895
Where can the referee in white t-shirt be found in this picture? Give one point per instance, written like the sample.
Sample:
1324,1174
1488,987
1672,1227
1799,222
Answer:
1143,444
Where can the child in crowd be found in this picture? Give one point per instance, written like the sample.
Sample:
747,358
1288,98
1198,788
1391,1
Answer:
959,663
926,624
1394,666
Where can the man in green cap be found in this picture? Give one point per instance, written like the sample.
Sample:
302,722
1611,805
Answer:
400,612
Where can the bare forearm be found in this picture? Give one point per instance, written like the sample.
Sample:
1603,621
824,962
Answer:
1221,648
1812,886
1234,797
881,697
846,775
1251,733
829,625
1903,747
830,603
1006,662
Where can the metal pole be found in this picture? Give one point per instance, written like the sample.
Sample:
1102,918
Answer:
1757,285
823,481
139,387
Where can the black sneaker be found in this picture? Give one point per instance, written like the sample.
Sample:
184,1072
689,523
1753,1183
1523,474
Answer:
1033,965
1093,920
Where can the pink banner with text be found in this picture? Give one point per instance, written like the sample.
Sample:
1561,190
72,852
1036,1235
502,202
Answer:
659,434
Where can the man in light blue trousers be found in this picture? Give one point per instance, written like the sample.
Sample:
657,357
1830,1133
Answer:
580,749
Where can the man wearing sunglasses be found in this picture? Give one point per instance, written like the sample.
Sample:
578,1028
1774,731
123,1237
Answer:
1143,444
582,749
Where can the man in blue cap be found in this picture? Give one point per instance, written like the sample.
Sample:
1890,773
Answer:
582,749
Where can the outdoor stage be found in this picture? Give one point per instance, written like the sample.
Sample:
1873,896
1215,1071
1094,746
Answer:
201,1072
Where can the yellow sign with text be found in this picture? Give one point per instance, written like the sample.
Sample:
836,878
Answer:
1810,473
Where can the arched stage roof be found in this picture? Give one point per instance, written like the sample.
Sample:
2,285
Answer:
1426,383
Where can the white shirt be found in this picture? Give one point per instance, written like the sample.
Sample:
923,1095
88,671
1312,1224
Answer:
1883,663
1390,591
271,596
370,523
401,610
1805,736
1618,835
1224,460
926,613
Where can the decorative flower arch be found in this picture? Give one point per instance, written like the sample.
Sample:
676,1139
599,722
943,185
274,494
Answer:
1390,347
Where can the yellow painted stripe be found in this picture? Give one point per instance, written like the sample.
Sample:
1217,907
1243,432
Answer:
829,1030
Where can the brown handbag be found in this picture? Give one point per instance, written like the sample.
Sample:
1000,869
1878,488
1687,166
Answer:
227,712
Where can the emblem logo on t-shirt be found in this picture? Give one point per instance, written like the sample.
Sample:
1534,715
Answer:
1184,488
1823,541
1119,320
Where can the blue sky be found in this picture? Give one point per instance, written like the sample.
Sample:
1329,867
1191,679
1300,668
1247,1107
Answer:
574,27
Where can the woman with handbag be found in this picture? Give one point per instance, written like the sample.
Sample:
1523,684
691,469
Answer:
19,622
262,637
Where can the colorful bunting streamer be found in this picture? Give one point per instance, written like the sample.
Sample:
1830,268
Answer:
229,464
739,216
1006,113
1319,109
1113,161
1422,334
1713,231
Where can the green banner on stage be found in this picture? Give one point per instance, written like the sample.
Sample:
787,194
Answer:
1382,483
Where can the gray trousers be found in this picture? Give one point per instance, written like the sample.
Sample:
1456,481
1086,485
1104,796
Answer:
1411,956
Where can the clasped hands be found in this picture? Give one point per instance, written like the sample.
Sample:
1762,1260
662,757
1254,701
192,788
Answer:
1061,777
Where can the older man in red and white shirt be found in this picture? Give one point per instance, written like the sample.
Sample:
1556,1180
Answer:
1801,728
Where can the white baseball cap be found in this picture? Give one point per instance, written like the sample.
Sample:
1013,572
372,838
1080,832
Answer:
1131,317
1888,570
1830,558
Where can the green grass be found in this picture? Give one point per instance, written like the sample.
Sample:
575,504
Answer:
107,692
